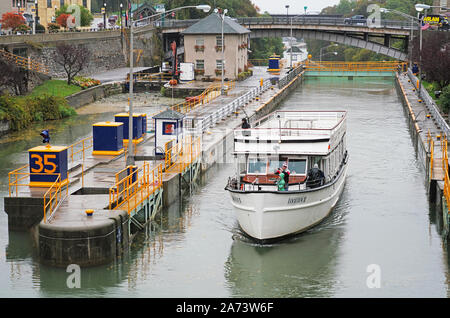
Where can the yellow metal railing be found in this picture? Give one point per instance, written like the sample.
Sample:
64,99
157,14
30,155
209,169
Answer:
23,62
130,191
179,156
444,145
80,148
430,143
372,66
151,77
52,198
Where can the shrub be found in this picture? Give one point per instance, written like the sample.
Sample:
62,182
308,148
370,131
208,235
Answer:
21,112
444,99
84,82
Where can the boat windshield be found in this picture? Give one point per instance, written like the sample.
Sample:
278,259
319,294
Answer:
257,165
297,166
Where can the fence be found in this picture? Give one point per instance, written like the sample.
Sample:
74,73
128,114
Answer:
132,190
23,62
431,106
331,66
181,155
444,144
199,124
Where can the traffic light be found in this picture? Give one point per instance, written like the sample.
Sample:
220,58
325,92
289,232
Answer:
46,136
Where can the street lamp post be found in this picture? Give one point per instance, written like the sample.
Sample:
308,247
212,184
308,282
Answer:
334,53
104,16
130,154
287,13
18,8
325,48
413,19
222,17
36,14
121,18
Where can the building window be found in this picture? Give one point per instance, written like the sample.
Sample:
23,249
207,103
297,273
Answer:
219,64
85,3
219,40
61,2
49,3
200,42
200,64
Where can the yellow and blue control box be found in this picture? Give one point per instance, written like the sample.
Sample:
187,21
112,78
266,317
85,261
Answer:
107,138
46,162
137,126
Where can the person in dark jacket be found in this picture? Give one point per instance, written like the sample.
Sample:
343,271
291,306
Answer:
245,125
415,69
315,177
286,172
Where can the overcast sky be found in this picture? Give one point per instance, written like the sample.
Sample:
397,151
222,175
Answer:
295,6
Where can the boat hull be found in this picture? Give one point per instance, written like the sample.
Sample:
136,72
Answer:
271,215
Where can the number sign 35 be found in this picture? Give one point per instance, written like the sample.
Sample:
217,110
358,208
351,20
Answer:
42,163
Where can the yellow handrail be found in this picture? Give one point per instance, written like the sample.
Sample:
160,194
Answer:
53,197
185,152
129,192
26,63
84,144
371,66
444,144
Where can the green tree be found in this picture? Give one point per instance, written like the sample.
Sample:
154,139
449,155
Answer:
86,17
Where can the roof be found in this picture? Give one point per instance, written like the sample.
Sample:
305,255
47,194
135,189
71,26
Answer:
169,114
212,24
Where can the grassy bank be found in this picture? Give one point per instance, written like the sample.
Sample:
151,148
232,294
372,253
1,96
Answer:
55,88
46,102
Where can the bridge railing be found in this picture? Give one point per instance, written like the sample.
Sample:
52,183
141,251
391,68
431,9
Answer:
375,66
300,20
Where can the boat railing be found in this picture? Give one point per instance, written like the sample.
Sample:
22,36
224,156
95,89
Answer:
275,133
299,116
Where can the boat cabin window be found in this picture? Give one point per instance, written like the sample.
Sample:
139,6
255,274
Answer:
257,165
297,166
274,164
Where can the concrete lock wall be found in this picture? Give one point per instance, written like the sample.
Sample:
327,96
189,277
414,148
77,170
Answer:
93,242
109,49
93,94
23,213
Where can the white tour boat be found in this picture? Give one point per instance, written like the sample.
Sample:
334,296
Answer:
300,139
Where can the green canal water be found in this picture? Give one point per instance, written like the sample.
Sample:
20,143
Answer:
194,248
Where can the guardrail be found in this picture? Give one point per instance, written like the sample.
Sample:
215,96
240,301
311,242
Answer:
299,20
129,192
328,66
23,62
179,156
52,198
431,106
289,77
151,77
79,148
197,124
444,144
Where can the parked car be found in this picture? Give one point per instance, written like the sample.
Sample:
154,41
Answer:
356,19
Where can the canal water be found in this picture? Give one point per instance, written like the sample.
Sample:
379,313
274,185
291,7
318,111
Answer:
383,221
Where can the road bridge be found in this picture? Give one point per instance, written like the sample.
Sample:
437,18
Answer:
334,29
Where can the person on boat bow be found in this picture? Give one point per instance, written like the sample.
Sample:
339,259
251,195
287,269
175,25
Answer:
280,182
286,173
315,177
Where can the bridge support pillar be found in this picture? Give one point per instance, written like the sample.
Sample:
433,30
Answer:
387,40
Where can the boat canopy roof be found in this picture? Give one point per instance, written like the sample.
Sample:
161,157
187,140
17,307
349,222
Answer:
293,132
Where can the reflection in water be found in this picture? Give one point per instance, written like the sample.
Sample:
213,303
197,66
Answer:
383,217
302,266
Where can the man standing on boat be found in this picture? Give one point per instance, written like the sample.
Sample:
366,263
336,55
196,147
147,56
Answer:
286,173
315,177
281,182
245,125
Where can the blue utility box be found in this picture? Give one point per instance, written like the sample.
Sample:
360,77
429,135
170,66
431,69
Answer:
108,138
137,126
46,162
